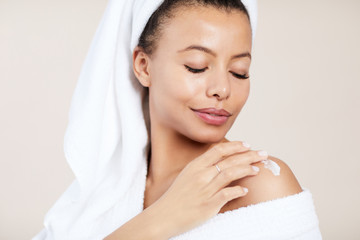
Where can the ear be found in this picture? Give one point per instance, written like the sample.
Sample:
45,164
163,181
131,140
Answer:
141,64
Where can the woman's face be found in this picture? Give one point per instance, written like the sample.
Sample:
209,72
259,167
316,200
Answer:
189,103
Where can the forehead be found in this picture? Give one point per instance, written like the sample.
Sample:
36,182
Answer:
208,26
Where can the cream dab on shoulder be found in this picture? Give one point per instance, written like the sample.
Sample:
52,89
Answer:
272,166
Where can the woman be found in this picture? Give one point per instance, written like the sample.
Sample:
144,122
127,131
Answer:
179,178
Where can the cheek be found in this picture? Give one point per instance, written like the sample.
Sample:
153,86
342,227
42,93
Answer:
240,94
174,85
171,92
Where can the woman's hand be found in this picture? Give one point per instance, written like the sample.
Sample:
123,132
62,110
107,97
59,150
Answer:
199,191
197,194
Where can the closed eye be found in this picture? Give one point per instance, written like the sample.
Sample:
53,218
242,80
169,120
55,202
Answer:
240,76
193,70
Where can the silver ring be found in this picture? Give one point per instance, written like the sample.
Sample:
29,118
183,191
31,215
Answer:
217,168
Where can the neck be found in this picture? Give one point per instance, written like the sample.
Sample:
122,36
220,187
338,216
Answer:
170,153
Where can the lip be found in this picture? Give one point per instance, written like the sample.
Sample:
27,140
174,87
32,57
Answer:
212,116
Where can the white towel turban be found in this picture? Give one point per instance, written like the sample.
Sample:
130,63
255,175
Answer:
106,138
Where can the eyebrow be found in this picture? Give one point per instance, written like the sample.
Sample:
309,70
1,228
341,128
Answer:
209,51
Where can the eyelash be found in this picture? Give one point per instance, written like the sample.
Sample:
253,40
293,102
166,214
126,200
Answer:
202,70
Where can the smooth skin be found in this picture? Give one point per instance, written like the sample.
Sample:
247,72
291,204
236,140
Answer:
183,187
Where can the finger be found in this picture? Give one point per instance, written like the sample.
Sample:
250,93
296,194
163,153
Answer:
229,193
244,158
225,177
221,150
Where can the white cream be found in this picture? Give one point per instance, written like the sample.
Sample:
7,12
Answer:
272,166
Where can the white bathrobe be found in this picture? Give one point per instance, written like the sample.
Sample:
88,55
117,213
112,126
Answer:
292,217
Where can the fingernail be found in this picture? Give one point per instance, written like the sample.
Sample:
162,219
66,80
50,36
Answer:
256,169
245,190
262,153
245,144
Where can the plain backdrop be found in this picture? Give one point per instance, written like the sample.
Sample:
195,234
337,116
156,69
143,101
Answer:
303,107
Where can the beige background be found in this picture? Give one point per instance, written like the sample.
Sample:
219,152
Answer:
303,106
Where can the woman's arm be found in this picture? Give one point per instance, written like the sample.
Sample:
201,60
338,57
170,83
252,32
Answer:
148,225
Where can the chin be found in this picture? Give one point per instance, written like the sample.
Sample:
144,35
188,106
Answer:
209,136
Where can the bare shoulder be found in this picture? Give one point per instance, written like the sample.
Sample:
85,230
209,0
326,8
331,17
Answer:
266,185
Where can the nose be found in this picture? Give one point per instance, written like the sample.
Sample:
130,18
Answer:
219,87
